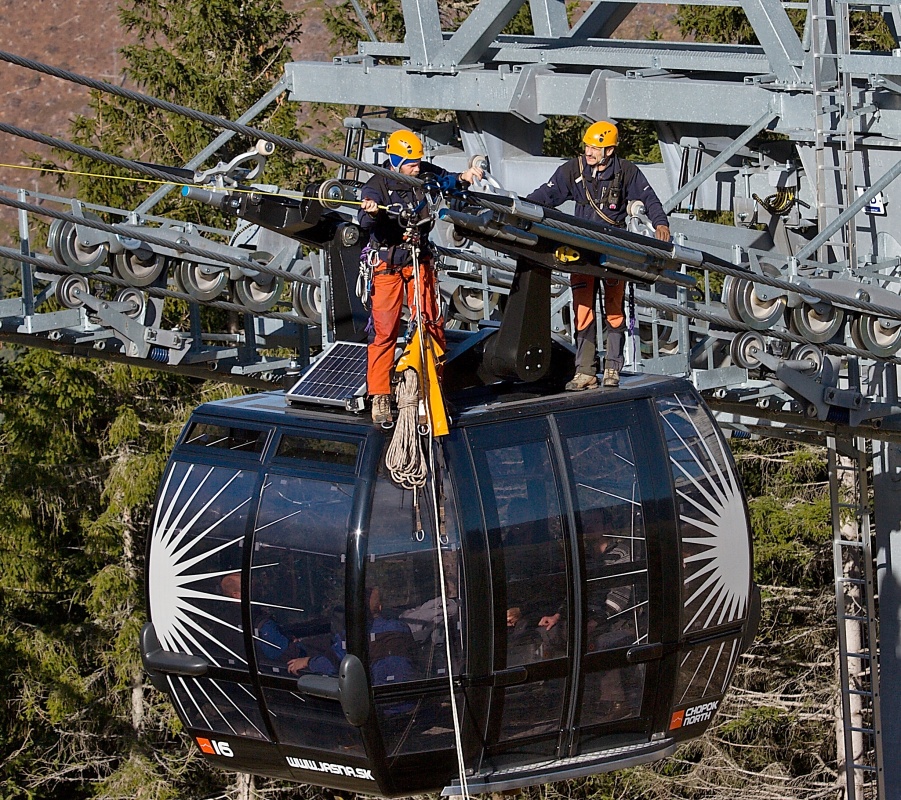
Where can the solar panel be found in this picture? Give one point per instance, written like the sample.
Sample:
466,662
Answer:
335,378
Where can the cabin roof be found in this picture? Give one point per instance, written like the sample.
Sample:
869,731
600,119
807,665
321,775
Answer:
464,407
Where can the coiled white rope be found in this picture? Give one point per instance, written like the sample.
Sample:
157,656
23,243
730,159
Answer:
405,460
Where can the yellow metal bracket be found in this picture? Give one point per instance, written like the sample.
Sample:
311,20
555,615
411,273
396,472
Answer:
429,385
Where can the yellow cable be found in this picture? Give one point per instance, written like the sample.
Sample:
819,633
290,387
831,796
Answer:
167,183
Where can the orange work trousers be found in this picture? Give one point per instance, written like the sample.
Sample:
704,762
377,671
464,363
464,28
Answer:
391,287
586,322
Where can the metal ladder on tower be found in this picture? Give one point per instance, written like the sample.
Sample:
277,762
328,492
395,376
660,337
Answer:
850,462
834,143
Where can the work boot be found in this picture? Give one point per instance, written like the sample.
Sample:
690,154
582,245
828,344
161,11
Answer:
582,381
381,409
611,378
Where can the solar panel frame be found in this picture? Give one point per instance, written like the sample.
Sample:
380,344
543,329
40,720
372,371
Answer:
335,378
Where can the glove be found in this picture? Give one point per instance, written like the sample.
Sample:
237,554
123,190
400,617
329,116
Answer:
441,183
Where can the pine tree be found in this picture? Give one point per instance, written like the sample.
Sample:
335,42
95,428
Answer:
83,445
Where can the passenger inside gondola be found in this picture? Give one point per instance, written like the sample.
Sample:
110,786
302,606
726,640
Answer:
392,648
535,571
272,642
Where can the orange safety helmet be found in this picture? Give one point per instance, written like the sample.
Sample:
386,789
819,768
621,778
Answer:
601,134
404,144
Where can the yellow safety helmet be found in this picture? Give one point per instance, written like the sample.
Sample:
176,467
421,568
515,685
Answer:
601,134
404,146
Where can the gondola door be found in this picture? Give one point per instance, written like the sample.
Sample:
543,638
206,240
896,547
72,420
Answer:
609,465
520,493
570,503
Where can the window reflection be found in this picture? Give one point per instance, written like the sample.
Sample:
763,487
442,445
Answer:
518,483
409,618
297,577
531,533
405,604
610,527
612,535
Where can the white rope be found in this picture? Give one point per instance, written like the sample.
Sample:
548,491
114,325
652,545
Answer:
455,712
408,382
405,460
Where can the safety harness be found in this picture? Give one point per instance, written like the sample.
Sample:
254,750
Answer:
611,195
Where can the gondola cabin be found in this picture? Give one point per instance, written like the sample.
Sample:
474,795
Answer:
570,597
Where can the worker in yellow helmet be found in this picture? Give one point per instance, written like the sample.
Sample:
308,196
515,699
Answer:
602,185
385,217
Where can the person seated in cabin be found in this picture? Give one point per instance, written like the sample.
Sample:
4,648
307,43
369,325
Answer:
426,621
608,624
607,606
271,642
392,648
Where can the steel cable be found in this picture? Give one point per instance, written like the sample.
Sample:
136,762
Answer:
134,232
207,119
116,161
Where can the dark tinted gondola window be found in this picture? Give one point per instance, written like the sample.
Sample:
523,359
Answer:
297,574
297,601
327,452
519,490
531,530
242,440
409,617
611,530
715,543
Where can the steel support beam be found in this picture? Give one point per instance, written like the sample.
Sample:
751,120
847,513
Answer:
501,91
721,159
478,31
423,31
549,18
777,36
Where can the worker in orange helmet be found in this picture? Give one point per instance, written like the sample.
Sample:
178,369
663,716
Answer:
602,185
397,220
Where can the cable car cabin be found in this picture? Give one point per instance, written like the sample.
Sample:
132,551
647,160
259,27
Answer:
583,582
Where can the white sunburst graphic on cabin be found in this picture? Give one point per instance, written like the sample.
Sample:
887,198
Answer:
178,549
715,529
